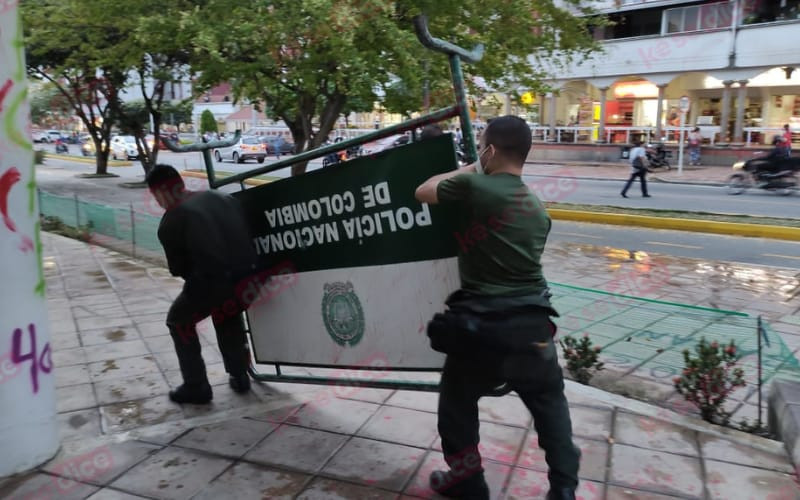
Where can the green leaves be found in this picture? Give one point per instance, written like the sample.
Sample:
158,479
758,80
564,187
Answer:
582,358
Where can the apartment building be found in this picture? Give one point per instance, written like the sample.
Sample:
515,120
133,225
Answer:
736,61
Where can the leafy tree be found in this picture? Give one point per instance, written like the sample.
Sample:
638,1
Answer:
48,105
69,55
208,123
308,59
178,113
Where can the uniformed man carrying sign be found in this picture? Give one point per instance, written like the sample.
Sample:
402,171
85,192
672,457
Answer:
497,328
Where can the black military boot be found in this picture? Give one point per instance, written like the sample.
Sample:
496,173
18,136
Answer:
451,485
197,395
561,494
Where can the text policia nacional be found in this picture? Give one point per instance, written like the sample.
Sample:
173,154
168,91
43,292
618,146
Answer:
372,218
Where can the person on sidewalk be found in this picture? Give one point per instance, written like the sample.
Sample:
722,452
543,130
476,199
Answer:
207,243
638,159
695,141
497,329
787,140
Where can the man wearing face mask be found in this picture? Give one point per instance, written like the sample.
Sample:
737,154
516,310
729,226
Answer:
497,329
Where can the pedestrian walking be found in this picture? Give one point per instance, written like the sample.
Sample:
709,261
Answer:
207,243
695,140
497,329
638,159
787,140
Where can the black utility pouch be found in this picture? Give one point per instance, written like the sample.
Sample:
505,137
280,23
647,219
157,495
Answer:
452,333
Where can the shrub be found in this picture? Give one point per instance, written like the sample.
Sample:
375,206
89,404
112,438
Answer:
38,157
582,358
708,379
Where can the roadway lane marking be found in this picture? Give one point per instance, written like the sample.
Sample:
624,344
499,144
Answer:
673,245
780,256
578,234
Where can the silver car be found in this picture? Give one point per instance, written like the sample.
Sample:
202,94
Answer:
124,147
248,148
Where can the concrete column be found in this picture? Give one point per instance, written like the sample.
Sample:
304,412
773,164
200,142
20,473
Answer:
740,98
506,104
551,116
28,430
601,132
726,111
660,112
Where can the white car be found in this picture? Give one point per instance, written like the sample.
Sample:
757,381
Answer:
123,147
248,148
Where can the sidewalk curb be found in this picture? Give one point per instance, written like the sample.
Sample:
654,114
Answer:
692,225
201,175
652,178
80,159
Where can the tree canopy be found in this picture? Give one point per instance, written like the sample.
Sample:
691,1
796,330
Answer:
309,59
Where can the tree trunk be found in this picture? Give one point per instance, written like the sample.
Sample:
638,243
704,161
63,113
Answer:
330,113
101,160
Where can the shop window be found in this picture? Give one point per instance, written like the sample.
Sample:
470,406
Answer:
643,22
759,11
698,17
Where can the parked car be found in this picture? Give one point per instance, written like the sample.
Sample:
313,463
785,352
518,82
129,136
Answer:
39,136
124,147
277,143
247,148
53,136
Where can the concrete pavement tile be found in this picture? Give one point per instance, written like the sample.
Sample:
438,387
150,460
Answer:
575,397
506,410
656,471
109,494
329,489
594,457
112,369
67,325
64,340
132,388
416,400
155,317
42,486
101,464
71,375
277,416
231,438
591,423
331,414
108,335
500,443
726,480
95,323
75,397
172,473
69,357
725,450
245,480
401,425
79,424
297,448
153,328
619,493
383,465
419,486
162,343
168,360
144,412
527,484
367,394
655,434
224,399
115,350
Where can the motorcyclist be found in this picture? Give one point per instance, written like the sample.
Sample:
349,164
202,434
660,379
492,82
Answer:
773,162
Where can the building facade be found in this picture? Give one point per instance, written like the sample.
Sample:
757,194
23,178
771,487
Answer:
734,60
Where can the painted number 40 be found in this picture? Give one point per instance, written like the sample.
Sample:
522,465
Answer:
43,361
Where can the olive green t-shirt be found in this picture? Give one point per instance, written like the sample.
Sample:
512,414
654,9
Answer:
502,233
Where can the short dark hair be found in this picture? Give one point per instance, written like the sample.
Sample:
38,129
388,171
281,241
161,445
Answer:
163,176
431,130
510,135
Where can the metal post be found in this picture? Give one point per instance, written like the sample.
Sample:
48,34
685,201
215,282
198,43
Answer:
680,145
760,333
463,109
133,229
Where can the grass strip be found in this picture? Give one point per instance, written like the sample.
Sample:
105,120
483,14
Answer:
225,173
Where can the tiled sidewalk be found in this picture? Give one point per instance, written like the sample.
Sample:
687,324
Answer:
115,363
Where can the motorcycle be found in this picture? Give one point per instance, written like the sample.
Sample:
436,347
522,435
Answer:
772,174
657,156
61,147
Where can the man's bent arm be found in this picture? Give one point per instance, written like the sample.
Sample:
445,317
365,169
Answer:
426,192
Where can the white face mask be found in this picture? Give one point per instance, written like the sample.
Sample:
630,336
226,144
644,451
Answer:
478,164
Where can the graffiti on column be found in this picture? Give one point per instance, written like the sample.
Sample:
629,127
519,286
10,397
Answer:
40,362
